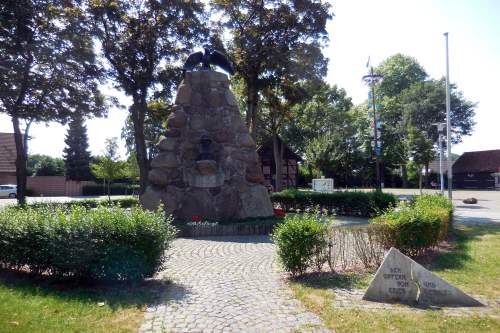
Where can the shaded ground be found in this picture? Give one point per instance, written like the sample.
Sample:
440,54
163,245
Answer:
42,304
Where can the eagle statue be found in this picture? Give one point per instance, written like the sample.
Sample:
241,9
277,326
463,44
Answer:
206,59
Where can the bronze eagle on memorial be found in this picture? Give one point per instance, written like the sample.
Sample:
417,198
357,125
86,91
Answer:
206,59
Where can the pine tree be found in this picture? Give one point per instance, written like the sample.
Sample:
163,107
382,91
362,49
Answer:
76,155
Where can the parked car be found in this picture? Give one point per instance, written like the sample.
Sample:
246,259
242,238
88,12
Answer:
8,191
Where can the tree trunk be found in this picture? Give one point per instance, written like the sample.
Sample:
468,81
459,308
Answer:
427,178
109,189
277,163
138,110
420,179
251,114
404,174
21,159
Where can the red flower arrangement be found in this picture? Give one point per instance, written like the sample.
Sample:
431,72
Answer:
196,218
279,212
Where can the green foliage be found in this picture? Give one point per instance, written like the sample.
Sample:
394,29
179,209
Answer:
343,203
105,243
143,42
48,68
44,165
289,36
114,189
76,153
89,203
298,241
400,72
155,122
415,228
108,167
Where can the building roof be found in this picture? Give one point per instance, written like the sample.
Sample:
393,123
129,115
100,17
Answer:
266,149
478,161
7,153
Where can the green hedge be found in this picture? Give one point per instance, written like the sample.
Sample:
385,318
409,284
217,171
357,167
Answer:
343,203
104,243
415,228
89,203
299,240
115,189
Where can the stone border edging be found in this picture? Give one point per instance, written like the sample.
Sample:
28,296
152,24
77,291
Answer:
236,229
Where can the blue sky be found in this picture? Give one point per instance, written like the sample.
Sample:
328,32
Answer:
378,29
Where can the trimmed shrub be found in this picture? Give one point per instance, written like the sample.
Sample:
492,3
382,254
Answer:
415,228
89,203
104,243
115,189
299,240
366,204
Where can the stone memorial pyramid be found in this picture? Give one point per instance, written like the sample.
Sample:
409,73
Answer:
402,280
208,165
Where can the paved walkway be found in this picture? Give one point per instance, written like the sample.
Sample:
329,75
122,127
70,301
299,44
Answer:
227,284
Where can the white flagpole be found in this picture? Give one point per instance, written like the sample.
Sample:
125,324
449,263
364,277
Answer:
448,121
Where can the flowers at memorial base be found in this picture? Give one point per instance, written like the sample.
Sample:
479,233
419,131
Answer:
279,212
196,218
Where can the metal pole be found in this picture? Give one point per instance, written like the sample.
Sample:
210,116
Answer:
448,121
377,162
441,178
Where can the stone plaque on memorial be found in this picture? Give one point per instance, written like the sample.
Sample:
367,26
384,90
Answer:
402,280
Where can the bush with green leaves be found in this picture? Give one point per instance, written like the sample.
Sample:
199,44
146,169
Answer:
415,228
366,204
103,243
115,189
90,203
299,240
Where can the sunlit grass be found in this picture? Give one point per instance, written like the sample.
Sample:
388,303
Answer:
473,265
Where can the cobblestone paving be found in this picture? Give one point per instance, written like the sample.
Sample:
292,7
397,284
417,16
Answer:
227,284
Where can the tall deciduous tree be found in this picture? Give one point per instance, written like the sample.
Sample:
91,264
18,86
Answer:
76,153
47,68
142,40
267,34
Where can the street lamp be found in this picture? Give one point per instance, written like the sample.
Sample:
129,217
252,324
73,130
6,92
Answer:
440,128
371,80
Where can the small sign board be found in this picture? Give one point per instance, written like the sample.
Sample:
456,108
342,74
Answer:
324,185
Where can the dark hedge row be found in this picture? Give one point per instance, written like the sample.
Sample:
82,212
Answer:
90,203
115,189
104,243
365,204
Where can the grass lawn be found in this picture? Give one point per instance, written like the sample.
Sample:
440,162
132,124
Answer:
30,304
472,264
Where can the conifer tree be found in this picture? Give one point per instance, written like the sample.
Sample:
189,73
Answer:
76,154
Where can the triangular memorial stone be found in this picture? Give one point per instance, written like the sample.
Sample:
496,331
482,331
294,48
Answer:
401,279
393,282
435,291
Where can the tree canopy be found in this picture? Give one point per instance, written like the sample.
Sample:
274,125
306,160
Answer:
141,41
48,70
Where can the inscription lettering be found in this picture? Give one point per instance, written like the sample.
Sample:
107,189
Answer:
398,291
